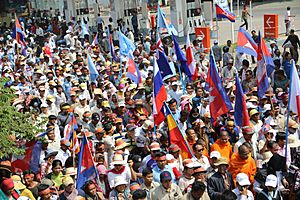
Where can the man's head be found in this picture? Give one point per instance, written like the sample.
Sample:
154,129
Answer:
222,165
190,134
166,179
147,175
90,188
198,188
224,137
281,139
243,152
173,104
161,160
247,133
44,191
198,150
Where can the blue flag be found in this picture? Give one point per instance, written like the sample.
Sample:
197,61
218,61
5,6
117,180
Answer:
181,58
162,22
126,45
93,72
162,60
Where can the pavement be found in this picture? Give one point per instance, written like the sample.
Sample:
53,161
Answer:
259,9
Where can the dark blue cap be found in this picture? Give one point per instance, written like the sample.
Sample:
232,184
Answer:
165,176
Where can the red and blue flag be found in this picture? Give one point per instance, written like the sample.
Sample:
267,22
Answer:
245,43
70,128
219,102
190,59
86,167
111,47
181,58
241,116
159,96
133,72
30,159
261,71
19,34
223,13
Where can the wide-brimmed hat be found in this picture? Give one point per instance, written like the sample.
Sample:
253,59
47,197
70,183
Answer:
17,182
118,160
71,171
119,180
221,161
147,124
293,141
293,124
50,153
120,144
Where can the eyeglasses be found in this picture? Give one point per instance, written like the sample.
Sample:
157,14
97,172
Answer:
199,150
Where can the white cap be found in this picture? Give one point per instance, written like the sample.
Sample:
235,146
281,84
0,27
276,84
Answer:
267,107
169,157
81,97
44,105
271,181
216,42
242,179
119,180
215,154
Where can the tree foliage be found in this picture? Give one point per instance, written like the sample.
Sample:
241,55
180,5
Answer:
15,127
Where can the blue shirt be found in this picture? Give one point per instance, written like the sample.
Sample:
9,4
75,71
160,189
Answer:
157,171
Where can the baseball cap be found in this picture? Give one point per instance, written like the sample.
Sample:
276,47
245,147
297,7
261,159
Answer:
243,179
271,181
165,176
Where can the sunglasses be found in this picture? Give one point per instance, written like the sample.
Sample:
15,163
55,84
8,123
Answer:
200,150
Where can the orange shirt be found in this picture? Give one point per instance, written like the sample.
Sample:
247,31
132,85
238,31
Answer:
238,165
224,149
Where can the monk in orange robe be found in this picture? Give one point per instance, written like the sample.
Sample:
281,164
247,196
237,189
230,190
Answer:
223,146
242,162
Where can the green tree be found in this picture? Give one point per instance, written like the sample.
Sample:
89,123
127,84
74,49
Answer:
15,127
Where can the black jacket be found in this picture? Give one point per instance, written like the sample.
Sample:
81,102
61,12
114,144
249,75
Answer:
262,196
215,185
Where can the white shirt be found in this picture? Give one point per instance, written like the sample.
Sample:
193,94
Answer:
287,15
126,174
63,156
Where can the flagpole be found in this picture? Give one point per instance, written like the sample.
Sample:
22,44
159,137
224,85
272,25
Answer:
288,114
232,23
217,24
250,5
183,135
181,79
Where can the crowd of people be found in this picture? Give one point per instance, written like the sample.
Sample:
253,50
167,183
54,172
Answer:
135,159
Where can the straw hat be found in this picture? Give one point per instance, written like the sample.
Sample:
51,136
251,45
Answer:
120,144
18,183
118,160
221,161
293,141
71,171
